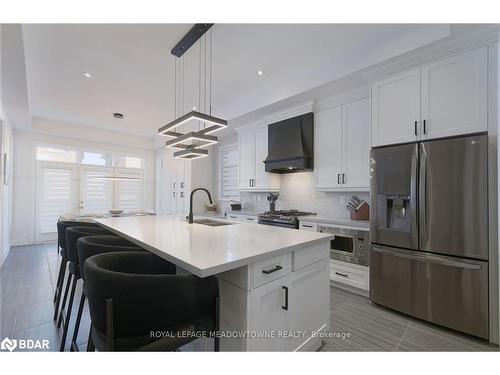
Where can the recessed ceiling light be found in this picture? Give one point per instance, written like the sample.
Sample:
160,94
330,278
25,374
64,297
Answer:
118,115
260,72
88,75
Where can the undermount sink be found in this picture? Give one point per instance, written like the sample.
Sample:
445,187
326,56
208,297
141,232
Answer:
212,223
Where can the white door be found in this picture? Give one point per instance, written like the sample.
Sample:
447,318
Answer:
56,194
96,189
269,316
246,142
454,95
396,109
262,178
128,193
308,312
180,190
328,148
356,144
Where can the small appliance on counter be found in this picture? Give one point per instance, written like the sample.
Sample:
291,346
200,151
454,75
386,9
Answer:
235,206
360,210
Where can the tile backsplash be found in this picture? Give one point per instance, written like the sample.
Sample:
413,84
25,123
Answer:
297,191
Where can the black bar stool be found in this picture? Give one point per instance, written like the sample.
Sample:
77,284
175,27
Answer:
72,235
133,294
89,246
61,248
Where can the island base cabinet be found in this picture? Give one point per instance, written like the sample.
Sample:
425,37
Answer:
287,314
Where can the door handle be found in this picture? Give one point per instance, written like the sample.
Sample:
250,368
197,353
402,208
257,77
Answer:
422,193
426,257
341,274
285,307
277,268
343,178
416,123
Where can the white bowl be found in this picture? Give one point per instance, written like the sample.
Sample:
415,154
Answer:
115,211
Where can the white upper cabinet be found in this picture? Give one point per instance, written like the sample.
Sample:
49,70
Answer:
328,147
396,109
445,98
356,144
252,145
342,147
454,95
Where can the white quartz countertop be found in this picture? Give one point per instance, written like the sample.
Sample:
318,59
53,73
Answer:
204,250
354,224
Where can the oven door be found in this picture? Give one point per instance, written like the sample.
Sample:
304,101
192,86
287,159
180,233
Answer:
276,224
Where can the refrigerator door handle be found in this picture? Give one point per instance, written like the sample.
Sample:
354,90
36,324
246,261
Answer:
422,194
413,200
429,258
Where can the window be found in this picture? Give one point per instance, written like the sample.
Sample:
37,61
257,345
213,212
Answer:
128,189
96,158
128,162
47,153
228,173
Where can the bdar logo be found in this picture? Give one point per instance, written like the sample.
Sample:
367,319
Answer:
8,344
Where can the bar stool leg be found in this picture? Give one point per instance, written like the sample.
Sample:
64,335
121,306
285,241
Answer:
74,345
61,307
68,315
60,280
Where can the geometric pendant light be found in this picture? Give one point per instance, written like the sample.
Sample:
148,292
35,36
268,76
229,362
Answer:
190,144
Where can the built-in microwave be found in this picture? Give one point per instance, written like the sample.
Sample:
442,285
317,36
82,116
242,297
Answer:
348,245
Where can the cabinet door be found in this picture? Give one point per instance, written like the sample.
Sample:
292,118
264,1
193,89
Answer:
328,148
356,144
247,163
268,316
395,108
262,178
454,95
308,312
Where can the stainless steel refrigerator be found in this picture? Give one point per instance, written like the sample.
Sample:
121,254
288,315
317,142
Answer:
429,231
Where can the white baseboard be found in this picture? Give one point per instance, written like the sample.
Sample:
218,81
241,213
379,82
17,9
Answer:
5,256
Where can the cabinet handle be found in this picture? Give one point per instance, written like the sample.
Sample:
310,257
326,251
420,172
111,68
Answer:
343,178
285,307
277,268
173,194
425,130
416,132
253,182
338,178
182,194
341,274
173,184
182,185
307,226
249,219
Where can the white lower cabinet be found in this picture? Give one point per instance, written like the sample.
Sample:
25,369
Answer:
350,274
287,312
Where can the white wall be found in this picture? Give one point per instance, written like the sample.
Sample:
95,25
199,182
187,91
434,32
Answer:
23,227
202,175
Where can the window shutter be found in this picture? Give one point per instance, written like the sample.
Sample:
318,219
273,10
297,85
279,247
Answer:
129,193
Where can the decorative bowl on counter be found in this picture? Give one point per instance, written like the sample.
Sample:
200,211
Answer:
115,212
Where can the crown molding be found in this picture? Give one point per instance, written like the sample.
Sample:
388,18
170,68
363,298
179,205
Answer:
337,100
432,52
298,110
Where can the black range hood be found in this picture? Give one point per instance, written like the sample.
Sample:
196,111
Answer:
291,145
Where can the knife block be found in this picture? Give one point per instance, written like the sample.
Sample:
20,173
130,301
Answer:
363,212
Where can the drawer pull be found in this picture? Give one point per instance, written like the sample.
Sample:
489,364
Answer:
250,218
307,226
277,268
341,274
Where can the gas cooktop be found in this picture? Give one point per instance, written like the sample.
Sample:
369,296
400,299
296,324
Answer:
283,218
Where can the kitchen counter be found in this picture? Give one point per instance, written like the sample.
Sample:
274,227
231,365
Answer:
352,224
204,250
272,281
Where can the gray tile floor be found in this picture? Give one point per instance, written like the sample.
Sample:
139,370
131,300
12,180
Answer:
29,274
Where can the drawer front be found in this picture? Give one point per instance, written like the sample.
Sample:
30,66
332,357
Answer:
311,227
233,217
271,269
249,219
343,273
306,257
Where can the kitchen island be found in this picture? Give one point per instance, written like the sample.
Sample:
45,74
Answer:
273,282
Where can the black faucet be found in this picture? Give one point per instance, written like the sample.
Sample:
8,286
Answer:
190,217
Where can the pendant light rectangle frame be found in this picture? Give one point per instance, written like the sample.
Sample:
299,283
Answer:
191,153
179,142
217,123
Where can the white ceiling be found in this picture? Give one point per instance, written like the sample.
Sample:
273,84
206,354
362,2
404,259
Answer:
133,69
